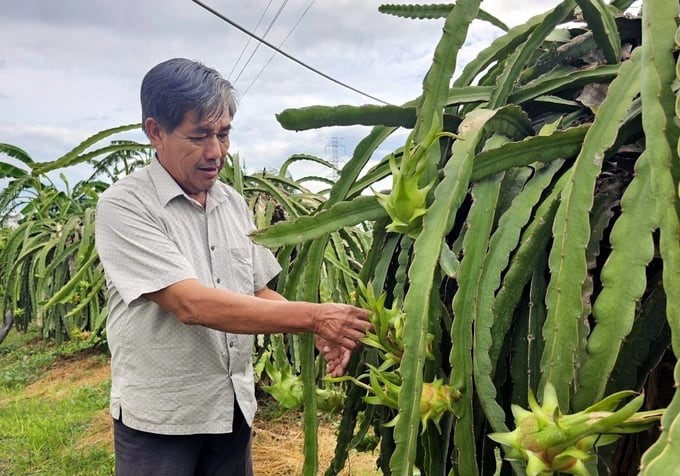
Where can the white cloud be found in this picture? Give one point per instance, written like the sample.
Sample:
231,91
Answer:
69,69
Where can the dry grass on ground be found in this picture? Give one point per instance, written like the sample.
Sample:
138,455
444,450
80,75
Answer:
277,443
277,449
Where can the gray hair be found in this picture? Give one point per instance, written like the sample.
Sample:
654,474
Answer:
177,86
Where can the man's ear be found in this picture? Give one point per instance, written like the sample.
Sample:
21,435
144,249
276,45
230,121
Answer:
154,131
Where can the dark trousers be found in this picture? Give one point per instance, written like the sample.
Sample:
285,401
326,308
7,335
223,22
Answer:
139,453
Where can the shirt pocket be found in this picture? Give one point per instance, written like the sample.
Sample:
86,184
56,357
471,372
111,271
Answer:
241,268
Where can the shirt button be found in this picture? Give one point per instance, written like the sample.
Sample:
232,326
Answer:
212,248
218,280
231,344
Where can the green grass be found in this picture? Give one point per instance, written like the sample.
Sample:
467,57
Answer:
24,357
42,432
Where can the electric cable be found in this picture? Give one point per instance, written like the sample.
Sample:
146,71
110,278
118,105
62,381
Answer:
266,32
245,47
257,76
283,53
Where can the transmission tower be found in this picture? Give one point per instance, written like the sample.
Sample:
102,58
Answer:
335,145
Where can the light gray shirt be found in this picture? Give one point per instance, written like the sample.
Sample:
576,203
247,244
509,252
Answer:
169,377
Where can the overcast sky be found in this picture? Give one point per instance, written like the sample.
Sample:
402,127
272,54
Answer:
71,68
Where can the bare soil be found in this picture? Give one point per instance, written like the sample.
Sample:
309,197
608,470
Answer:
277,442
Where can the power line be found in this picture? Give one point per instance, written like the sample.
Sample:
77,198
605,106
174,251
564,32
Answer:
281,52
257,76
245,47
266,32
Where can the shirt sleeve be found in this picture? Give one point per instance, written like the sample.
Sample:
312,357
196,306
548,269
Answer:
137,255
265,264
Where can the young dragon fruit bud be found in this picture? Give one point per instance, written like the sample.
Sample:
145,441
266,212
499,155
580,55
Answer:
435,400
552,442
407,202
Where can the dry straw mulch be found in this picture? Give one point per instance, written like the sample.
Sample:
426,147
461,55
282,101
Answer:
278,449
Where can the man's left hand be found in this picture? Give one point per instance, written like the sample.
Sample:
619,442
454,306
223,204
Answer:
337,357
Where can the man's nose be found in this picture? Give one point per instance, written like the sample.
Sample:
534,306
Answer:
214,148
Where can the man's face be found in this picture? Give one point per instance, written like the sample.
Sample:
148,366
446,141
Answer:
194,153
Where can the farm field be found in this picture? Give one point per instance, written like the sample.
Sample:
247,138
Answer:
517,251
54,417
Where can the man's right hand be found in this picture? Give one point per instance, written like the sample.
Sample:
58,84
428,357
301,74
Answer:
341,324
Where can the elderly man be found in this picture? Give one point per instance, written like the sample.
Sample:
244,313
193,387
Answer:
188,289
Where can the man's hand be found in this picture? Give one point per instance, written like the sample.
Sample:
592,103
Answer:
341,324
338,329
336,356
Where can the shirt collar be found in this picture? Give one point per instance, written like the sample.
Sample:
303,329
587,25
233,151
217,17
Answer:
168,189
